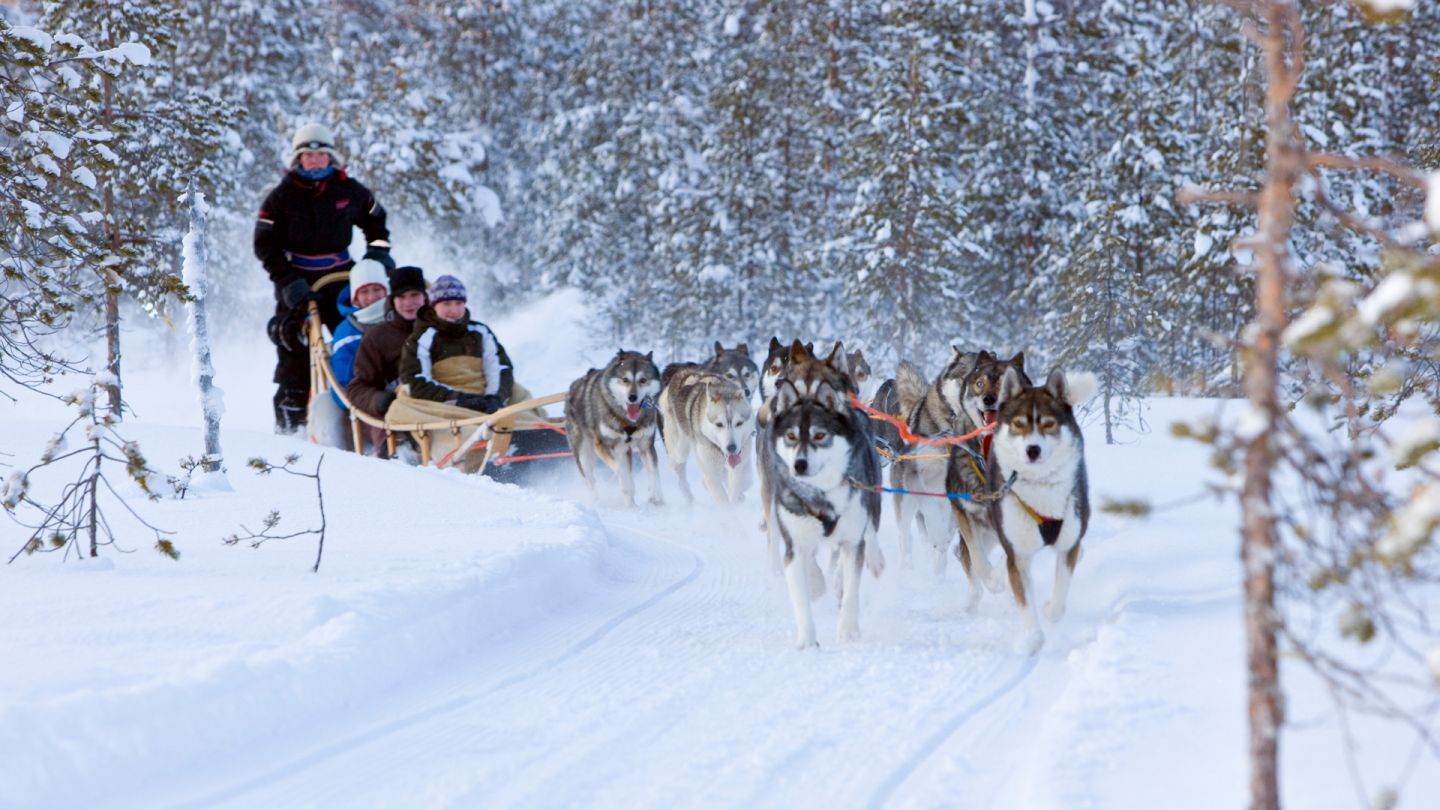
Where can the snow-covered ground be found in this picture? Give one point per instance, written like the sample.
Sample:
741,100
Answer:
473,644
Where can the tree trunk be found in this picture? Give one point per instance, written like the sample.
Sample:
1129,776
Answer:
196,275
112,278
1283,44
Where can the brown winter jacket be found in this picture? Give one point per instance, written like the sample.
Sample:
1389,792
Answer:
377,365
434,340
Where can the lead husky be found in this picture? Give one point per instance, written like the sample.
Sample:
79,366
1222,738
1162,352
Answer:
711,413
610,413
820,445
1039,440
974,396
926,413
805,372
734,365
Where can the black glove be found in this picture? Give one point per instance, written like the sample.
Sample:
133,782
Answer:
285,331
484,403
384,401
295,293
381,255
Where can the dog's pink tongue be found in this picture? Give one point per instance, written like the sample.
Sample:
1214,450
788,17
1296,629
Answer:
990,417
632,411
733,459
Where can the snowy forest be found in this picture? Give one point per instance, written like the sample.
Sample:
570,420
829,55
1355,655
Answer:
914,174
1233,200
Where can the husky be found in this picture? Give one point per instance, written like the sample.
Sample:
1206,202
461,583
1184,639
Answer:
732,364
926,412
821,449
866,383
610,413
1038,439
711,413
777,359
973,395
805,372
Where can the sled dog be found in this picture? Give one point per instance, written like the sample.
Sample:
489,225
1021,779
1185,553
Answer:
712,414
819,445
924,468
866,382
777,359
974,395
732,364
1039,440
805,372
610,414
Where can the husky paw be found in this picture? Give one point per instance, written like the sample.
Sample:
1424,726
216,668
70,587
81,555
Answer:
807,643
973,602
1031,643
995,580
656,500
1054,610
847,634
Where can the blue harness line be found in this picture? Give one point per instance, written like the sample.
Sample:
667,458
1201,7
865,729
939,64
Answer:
982,497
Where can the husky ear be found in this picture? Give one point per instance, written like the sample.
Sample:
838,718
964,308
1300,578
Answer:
775,344
743,349
798,353
983,357
786,395
719,350
1078,386
1018,361
1010,385
837,359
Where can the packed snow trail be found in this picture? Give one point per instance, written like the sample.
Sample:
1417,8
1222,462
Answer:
675,671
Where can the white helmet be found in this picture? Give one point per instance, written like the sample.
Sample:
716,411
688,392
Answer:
314,137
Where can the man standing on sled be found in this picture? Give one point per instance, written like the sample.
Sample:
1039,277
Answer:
302,234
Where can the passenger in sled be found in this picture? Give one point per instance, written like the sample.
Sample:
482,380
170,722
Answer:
453,368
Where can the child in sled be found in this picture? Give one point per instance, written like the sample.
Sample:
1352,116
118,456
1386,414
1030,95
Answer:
453,368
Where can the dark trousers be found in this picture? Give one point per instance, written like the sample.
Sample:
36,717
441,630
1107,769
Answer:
292,365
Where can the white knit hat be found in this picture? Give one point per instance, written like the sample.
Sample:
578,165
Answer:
368,271
314,137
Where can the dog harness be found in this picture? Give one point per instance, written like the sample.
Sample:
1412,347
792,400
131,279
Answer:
1049,527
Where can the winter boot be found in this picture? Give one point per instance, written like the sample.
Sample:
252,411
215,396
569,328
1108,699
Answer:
290,411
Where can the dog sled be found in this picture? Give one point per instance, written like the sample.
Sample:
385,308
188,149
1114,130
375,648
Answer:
510,444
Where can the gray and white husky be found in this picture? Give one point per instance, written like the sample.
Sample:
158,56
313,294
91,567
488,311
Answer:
712,414
974,396
734,365
866,381
926,412
1039,441
821,447
610,414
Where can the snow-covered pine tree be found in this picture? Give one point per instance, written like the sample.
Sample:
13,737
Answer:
143,143
904,249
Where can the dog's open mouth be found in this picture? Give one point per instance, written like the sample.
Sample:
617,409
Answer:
733,459
989,416
632,411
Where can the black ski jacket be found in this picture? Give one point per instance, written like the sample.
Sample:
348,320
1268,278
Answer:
314,218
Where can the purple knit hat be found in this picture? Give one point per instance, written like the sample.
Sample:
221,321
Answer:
446,288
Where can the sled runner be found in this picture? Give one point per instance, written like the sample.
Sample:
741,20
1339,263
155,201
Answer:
503,445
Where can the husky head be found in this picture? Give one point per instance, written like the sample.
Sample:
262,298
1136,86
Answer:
736,366
808,372
979,390
775,359
811,434
632,382
865,380
1037,431
726,419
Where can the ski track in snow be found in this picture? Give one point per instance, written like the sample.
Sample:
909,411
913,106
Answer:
448,707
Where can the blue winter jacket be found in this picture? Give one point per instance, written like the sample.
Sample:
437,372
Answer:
344,343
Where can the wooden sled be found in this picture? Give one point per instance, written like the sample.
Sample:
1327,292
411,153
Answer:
503,441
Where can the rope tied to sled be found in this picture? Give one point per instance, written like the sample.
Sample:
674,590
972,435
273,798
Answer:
976,497
915,438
